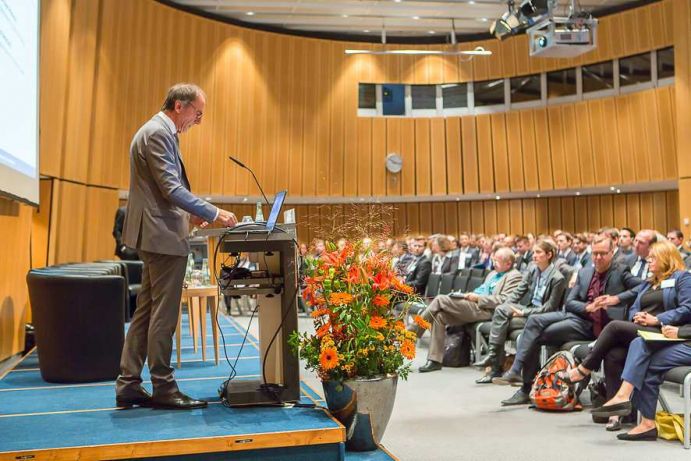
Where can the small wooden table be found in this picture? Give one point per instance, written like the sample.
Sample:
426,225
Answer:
197,314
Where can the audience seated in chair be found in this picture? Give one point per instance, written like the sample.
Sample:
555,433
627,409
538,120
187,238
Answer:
564,243
597,290
641,246
467,255
544,285
664,299
420,268
524,253
464,308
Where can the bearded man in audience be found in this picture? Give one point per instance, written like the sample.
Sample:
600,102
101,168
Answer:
601,290
464,308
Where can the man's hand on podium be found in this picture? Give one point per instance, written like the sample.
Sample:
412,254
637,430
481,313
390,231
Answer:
226,218
196,221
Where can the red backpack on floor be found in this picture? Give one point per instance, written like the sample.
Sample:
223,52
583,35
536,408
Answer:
549,391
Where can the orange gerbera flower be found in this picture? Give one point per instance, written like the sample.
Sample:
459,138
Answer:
377,322
323,330
320,312
339,299
422,323
381,301
408,349
328,359
399,325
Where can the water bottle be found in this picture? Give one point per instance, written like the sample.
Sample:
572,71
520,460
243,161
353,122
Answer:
190,268
260,215
206,278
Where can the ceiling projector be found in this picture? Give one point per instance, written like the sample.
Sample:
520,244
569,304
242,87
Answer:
562,37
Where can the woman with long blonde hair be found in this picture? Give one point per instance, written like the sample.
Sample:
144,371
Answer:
663,299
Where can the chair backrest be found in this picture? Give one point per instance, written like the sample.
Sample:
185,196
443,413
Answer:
474,282
432,288
460,283
478,273
446,285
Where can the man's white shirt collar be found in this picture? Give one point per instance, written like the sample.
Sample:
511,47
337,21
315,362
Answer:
169,123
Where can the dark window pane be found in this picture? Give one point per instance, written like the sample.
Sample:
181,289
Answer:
454,95
599,76
665,62
561,83
634,69
367,96
424,96
489,92
526,88
393,99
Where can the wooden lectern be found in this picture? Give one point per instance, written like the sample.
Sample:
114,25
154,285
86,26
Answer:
276,292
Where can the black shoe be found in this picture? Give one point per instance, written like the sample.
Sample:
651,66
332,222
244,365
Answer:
650,435
617,409
487,379
431,365
487,361
176,401
519,398
613,426
139,398
510,377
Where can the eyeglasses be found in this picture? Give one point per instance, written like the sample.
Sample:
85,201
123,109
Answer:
200,114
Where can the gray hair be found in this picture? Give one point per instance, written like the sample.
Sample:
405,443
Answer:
505,254
183,92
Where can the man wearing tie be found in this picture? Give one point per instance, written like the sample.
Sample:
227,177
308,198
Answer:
467,256
159,212
641,247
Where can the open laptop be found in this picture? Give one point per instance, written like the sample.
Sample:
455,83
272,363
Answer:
270,224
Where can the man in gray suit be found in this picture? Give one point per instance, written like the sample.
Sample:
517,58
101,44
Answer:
159,211
464,308
602,289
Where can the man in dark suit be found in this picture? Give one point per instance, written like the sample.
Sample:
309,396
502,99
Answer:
580,248
121,250
620,256
159,212
467,255
524,254
419,271
598,292
677,237
641,247
564,242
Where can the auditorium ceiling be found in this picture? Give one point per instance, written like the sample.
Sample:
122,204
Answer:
431,19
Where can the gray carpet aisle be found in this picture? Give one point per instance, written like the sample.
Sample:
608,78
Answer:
445,416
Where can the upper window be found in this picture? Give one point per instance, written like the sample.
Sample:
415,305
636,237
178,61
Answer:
424,96
489,92
598,77
526,88
635,69
561,83
367,96
454,95
665,62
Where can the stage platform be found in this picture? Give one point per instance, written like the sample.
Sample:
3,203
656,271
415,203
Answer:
46,421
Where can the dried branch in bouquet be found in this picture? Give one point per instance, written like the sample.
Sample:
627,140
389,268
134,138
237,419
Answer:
353,222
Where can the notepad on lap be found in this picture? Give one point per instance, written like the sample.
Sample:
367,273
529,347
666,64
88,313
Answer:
652,336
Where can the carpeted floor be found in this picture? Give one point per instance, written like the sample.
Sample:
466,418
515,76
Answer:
35,414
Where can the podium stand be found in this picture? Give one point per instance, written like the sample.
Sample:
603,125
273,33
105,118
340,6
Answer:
276,254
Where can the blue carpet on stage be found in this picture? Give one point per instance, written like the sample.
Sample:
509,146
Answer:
36,415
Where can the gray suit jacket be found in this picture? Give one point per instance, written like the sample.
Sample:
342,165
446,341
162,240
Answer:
508,283
552,297
618,282
160,200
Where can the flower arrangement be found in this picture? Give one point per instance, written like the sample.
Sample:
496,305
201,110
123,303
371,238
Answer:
358,333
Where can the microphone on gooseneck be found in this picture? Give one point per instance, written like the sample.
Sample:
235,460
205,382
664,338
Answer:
242,165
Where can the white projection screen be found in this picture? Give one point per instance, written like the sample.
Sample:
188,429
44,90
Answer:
19,43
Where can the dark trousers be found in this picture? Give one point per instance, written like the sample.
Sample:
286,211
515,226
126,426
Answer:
548,329
501,319
645,368
612,346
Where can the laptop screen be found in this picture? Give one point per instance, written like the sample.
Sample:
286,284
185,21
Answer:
275,210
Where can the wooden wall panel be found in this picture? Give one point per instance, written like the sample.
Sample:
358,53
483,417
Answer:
500,153
454,160
484,153
15,262
100,208
471,183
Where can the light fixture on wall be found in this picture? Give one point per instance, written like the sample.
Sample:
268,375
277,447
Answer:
453,51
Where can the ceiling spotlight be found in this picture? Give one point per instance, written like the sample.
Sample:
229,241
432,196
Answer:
344,15
612,188
366,31
578,193
431,32
538,196
532,8
416,17
505,26
250,13
482,19
397,1
618,191
497,197
471,2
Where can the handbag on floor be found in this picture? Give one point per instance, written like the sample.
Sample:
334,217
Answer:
456,348
670,426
